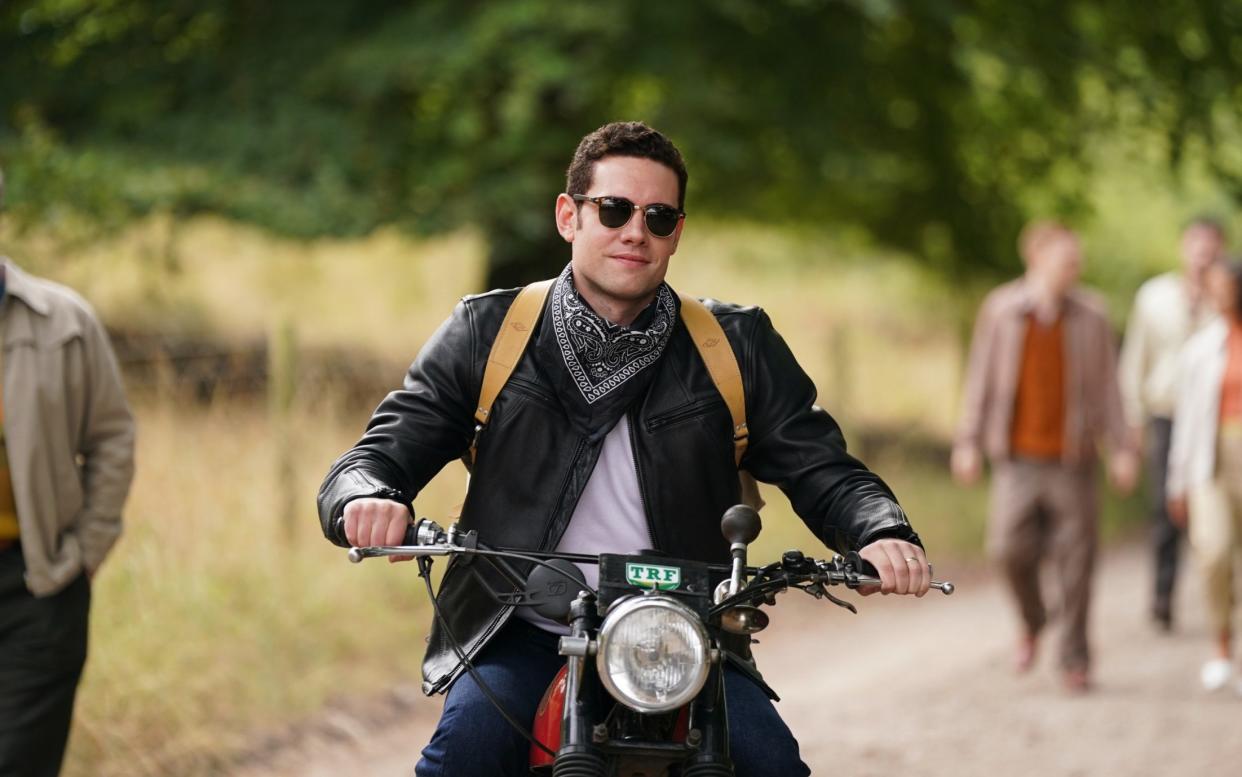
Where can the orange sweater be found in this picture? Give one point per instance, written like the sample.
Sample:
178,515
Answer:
1231,386
1039,408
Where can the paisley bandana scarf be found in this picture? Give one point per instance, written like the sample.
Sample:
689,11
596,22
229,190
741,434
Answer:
607,364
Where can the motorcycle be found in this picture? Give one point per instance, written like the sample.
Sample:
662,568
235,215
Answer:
641,693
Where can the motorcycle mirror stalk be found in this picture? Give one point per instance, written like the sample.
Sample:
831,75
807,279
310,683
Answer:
740,525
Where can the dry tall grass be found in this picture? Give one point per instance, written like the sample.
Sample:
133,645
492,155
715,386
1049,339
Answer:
211,621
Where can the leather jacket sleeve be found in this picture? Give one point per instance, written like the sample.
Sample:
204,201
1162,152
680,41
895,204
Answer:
415,431
796,445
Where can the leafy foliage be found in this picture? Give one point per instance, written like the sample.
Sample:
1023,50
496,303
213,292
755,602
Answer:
936,126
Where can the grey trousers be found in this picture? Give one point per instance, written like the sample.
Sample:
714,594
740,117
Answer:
1044,508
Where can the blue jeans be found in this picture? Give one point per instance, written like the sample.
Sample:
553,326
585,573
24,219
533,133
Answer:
472,739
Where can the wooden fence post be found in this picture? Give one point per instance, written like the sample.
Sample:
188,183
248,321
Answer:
842,387
281,390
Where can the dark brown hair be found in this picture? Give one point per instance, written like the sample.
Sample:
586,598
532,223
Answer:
624,138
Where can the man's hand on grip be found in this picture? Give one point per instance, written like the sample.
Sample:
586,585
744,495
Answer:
902,567
376,522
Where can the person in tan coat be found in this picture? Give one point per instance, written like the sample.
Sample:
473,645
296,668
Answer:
1040,391
66,461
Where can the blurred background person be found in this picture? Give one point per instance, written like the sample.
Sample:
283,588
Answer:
1040,388
66,462
1167,310
1205,461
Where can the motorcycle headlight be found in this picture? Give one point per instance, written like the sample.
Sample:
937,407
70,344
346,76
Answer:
652,653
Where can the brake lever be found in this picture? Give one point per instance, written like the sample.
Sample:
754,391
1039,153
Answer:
357,555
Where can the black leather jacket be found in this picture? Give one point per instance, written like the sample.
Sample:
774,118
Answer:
532,465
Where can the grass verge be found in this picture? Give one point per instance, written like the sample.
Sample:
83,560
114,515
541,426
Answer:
212,620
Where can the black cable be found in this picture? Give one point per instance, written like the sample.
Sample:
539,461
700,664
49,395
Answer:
502,554
749,594
505,571
424,571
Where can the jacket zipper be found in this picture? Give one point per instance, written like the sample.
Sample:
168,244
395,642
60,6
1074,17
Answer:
545,543
681,415
642,491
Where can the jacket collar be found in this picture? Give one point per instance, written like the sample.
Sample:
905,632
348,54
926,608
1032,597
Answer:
1022,299
23,287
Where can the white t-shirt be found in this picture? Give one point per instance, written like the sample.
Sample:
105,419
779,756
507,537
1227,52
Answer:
609,517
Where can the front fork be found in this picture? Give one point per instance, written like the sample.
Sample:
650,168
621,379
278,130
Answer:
578,755
709,729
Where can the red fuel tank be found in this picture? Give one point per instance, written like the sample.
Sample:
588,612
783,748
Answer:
547,727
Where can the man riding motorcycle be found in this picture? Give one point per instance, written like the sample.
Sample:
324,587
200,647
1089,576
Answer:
609,436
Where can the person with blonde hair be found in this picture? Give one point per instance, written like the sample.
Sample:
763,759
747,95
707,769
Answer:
1040,392
1205,462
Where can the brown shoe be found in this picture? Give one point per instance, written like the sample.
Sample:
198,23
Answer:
1162,617
1024,656
1077,681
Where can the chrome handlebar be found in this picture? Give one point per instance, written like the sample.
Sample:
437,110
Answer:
425,538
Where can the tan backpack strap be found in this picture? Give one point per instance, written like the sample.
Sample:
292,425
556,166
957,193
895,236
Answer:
717,354
508,348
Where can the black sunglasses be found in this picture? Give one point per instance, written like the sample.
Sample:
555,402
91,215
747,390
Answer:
615,212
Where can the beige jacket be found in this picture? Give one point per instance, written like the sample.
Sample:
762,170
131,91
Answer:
1160,323
1092,399
68,430
1201,367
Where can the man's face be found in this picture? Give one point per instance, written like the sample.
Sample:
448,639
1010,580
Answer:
620,267
1222,288
1201,245
1059,262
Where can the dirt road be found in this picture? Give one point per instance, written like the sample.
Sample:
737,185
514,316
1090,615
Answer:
924,687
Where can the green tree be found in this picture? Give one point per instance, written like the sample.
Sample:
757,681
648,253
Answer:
937,126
